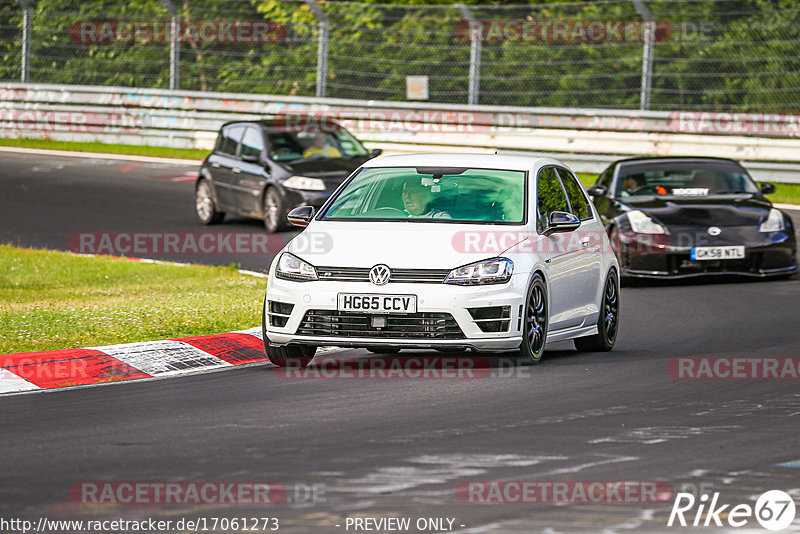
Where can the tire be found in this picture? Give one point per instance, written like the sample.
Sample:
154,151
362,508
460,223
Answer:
273,208
607,323
204,204
387,350
289,355
534,323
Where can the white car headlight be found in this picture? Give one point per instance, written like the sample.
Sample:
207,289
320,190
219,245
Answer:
493,271
642,224
305,183
774,222
290,267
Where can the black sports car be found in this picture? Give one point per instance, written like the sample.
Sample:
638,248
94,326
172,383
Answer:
263,169
671,217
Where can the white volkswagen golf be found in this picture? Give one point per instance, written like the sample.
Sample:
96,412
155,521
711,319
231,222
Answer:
446,252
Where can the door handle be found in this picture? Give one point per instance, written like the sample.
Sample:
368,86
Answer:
236,170
585,241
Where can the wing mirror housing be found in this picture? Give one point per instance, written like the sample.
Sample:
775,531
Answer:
767,188
301,216
561,221
597,190
375,152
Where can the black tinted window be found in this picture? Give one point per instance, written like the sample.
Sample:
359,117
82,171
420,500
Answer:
550,196
580,206
252,142
229,139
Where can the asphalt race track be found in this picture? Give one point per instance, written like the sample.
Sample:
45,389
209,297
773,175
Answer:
47,199
380,448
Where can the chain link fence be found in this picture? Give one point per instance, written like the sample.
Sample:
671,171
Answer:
716,55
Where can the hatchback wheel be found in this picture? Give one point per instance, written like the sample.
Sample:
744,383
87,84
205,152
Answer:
273,211
535,319
204,204
607,323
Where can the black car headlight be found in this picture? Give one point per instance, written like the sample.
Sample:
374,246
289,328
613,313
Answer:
773,223
304,183
493,271
290,267
641,223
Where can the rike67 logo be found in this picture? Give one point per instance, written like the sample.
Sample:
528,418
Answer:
774,510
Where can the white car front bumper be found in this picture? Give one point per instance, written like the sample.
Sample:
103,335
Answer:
435,298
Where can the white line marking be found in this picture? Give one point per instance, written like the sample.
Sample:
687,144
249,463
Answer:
163,357
11,383
98,155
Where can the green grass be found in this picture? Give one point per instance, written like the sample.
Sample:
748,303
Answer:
130,150
55,300
784,193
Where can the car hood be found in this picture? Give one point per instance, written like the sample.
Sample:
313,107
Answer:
327,169
727,210
401,245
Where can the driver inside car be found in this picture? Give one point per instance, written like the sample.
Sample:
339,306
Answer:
416,200
320,146
631,183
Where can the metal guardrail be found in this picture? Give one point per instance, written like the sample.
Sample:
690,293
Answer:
587,138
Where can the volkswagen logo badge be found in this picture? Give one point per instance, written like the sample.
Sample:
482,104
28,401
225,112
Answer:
714,230
379,275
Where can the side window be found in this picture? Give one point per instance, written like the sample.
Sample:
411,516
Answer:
229,139
252,142
606,177
550,196
580,206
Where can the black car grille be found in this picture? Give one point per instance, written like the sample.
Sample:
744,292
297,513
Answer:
682,264
361,274
421,325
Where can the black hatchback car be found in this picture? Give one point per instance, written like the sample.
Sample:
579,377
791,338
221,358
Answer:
671,217
262,169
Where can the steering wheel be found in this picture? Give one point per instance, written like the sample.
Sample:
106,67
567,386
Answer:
648,189
283,151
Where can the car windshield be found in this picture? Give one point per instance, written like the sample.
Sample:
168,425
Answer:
683,179
313,143
432,195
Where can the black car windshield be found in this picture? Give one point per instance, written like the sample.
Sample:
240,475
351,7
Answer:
432,195
691,179
314,143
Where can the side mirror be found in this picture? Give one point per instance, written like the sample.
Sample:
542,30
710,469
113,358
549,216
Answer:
561,221
597,190
767,188
301,216
250,158
375,153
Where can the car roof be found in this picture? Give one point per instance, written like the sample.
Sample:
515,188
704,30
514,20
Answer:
281,120
674,159
477,161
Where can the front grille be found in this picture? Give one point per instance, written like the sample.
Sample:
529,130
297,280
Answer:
492,318
279,313
681,263
421,325
361,274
